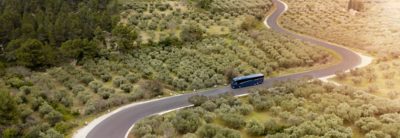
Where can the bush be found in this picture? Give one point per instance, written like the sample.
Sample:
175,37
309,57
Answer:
8,109
249,23
234,121
272,126
254,128
214,131
118,81
95,86
16,82
186,122
132,78
198,100
191,33
106,77
86,78
105,93
151,88
126,88
208,105
244,109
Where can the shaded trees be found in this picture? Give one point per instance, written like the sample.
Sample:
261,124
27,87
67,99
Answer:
51,23
30,53
8,109
191,33
186,122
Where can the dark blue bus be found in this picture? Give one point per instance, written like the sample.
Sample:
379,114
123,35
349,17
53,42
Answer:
246,81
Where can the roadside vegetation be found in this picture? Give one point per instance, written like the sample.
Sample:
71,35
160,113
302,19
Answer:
62,62
291,109
380,78
371,26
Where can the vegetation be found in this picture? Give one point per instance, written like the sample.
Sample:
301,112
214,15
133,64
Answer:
32,32
378,79
298,109
64,61
374,29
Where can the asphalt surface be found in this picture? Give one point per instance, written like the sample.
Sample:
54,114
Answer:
118,124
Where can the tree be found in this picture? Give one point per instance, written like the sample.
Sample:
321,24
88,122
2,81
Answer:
234,121
9,113
198,100
377,134
348,113
191,33
204,4
209,105
214,131
186,122
254,128
152,88
32,53
357,5
250,22
79,48
230,73
51,133
367,124
124,37
272,126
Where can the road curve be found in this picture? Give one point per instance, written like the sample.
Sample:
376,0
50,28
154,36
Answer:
117,124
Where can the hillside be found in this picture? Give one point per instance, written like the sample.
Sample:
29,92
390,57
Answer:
291,109
109,53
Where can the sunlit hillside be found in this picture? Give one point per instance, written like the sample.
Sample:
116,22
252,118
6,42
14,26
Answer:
374,29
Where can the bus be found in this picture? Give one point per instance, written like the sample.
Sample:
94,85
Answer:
246,81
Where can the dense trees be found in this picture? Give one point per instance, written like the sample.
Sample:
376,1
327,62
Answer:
32,29
330,111
191,33
80,48
157,48
205,4
9,113
30,53
186,122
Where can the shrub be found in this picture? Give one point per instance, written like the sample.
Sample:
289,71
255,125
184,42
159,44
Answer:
132,78
254,128
272,126
198,100
86,78
8,109
191,33
51,133
233,120
151,88
211,130
118,81
95,86
126,88
105,93
208,105
106,77
244,109
249,23
186,122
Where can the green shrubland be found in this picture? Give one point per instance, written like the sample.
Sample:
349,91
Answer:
62,62
300,109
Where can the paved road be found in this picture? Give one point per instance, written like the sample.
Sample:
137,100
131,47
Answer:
117,125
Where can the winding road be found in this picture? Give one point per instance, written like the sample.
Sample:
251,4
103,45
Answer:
117,123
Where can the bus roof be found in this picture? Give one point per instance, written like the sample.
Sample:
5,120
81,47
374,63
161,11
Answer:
248,77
